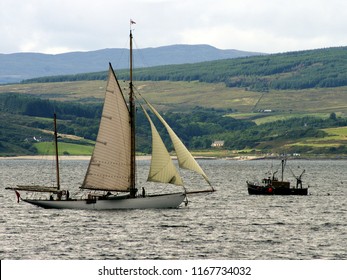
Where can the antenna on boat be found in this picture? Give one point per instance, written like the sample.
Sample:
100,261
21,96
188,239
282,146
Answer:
283,162
132,118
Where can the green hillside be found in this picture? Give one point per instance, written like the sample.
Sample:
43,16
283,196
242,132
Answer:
47,148
281,103
320,68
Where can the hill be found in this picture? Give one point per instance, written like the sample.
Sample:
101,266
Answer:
200,113
18,66
322,68
283,103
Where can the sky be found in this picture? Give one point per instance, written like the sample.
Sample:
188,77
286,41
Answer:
268,26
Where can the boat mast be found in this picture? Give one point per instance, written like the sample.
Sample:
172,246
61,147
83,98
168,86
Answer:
56,151
283,163
132,121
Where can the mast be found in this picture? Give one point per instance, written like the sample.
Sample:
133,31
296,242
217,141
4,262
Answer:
56,150
132,121
283,163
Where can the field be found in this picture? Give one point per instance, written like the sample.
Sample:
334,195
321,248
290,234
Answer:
336,137
260,107
47,148
84,91
181,96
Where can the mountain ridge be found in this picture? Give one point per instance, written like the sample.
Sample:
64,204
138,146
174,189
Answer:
16,67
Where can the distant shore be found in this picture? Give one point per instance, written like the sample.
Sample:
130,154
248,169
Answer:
38,157
148,157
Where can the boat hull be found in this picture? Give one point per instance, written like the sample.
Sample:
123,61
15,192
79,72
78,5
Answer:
268,190
113,203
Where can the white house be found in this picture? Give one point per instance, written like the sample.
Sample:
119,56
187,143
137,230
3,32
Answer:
217,144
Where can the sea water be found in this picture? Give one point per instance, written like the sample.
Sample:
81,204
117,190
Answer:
227,224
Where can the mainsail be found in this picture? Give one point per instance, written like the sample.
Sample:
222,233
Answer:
109,167
162,168
185,158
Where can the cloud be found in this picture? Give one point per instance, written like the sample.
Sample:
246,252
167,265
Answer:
53,26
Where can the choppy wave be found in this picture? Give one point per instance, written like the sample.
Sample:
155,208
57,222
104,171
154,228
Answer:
227,224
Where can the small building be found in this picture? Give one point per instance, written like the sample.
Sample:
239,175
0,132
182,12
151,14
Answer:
217,144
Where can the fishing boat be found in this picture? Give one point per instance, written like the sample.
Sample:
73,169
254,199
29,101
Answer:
273,186
110,180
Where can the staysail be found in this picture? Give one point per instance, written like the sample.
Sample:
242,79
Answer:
185,158
109,167
162,168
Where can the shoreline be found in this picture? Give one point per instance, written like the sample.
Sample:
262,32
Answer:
51,157
148,157
38,157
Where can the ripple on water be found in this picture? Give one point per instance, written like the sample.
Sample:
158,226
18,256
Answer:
227,224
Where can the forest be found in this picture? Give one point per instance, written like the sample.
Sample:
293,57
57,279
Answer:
82,120
27,120
292,70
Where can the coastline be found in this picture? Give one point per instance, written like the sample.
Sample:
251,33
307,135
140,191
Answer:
148,157
141,157
51,157
38,157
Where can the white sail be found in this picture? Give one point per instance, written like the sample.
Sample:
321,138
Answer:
109,167
185,158
162,167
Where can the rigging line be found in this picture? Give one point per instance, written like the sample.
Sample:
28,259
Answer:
137,91
141,101
140,56
163,189
124,52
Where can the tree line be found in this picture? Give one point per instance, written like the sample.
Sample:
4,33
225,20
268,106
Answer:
292,70
269,136
33,106
198,128
83,120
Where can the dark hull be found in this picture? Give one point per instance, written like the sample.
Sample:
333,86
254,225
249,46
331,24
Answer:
267,190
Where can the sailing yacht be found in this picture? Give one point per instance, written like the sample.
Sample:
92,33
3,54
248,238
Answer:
110,180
